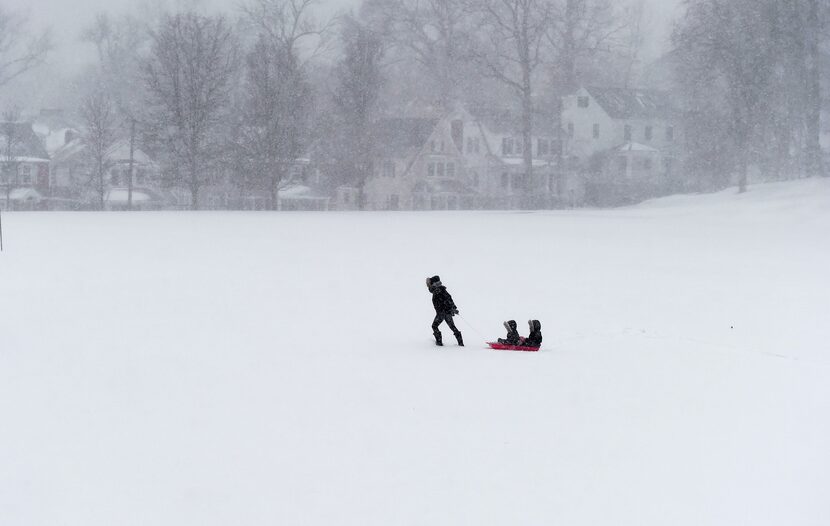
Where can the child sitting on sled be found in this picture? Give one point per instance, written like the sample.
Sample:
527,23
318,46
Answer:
534,339
513,337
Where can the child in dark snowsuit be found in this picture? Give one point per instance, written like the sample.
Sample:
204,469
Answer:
513,337
444,310
534,339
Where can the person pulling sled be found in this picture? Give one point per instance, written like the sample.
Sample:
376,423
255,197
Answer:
445,309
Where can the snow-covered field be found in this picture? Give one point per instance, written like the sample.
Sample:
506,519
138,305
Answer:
278,369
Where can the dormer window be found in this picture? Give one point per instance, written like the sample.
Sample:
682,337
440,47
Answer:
583,102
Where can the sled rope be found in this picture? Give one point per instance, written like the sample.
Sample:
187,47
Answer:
473,328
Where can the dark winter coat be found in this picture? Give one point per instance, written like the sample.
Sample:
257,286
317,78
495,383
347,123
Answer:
534,339
513,337
442,301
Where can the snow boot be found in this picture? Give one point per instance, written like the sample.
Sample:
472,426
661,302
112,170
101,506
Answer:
460,340
438,341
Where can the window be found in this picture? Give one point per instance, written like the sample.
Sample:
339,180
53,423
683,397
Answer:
389,169
647,164
439,169
432,146
583,102
667,165
25,174
627,133
507,146
670,133
570,129
649,133
505,180
431,169
596,131
450,169
519,146
543,147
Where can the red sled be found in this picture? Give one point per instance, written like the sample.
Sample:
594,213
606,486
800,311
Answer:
505,347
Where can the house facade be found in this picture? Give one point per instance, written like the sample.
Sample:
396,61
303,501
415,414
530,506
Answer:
24,168
627,142
466,161
74,186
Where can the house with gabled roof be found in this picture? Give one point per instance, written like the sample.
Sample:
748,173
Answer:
24,168
73,178
627,141
465,160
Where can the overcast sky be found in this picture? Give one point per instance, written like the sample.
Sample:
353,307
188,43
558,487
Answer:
67,18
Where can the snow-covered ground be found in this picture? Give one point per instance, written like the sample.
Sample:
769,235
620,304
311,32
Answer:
278,369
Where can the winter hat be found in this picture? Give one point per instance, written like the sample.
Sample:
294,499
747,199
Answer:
510,325
434,279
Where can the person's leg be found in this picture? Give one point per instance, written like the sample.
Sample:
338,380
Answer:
435,331
455,331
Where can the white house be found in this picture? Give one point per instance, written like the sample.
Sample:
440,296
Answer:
626,139
466,160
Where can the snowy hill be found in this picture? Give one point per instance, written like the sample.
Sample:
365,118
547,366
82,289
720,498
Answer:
256,368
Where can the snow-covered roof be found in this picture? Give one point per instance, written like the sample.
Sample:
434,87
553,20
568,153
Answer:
518,161
25,194
25,159
622,103
636,147
26,143
54,140
300,192
120,152
120,195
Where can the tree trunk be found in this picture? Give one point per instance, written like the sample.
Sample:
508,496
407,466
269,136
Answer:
132,163
100,168
813,80
194,185
527,139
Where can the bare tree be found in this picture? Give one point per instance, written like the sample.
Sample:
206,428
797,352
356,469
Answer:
120,43
431,34
291,24
99,115
20,51
580,31
359,80
12,141
278,97
189,76
513,33
760,58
